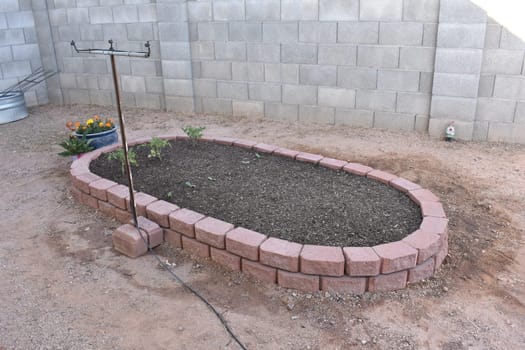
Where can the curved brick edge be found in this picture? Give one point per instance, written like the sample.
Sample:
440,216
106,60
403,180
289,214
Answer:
309,268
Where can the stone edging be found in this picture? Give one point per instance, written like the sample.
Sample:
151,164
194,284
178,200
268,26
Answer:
310,268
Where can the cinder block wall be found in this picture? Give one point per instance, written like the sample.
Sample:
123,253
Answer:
19,50
393,64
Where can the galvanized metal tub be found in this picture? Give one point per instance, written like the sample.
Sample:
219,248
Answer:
12,107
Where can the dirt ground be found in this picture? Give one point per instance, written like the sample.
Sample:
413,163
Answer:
63,287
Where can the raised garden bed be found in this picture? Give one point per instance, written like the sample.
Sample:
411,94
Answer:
298,219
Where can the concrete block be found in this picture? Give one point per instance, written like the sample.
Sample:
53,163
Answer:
245,31
337,54
202,50
147,12
415,103
91,32
216,70
77,15
285,73
486,85
318,75
376,100
491,109
21,52
394,121
501,61
114,31
481,130
358,32
85,81
12,37
421,11
334,97
453,35
65,33
377,56
101,98
140,31
426,80
171,12
58,17
9,5
506,132
269,10
264,52
176,69
492,36
212,31
179,104
176,50
205,87
248,108
356,78
417,58
338,10
463,61
404,33
199,11
299,53
464,129
430,31
453,108
68,80
265,92
381,10
460,85
125,14
510,40
314,114
153,84
280,111
173,32
280,32
178,87
299,10
231,10
461,11
230,51
21,19
232,89
248,71
317,32
219,106
299,94
354,117
398,80
149,101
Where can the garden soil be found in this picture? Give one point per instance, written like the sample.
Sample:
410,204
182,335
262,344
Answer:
62,286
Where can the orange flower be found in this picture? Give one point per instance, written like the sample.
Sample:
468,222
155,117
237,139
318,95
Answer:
77,125
97,117
108,125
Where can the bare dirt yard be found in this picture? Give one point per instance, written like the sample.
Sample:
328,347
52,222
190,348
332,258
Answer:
62,286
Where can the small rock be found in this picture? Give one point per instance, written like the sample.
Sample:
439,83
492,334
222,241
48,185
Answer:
294,318
290,306
180,329
445,289
363,342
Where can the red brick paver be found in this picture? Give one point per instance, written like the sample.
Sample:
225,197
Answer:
307,283
195,247
404,185
285,152
357,169
381,176
434,209
244,144
184,221
361,261
117,196
427,244
259,271
244,242
353,285
421,271
264,148
229,260
383,283
82,181
127,240
142,200
228,141
434,225
159,212
212,231
396,256
98,188
280,253
422,195
322,260
331,163
309,157
173,238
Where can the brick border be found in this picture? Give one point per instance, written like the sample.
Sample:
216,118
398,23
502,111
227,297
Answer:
309,268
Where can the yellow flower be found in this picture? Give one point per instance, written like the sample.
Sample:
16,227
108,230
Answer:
89,121
100,125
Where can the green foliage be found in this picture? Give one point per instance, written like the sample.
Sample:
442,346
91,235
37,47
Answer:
119,155
194,133
74,146
169,195
156,145
189,184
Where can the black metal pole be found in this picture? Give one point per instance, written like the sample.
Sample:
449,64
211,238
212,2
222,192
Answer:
124,142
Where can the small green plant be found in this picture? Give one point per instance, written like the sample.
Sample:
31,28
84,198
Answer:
189,184
74,146
156,145
119,155
169,195
194,133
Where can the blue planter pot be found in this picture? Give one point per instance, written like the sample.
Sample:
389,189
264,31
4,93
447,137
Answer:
101,139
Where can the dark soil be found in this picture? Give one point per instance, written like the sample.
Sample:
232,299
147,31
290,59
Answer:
273,195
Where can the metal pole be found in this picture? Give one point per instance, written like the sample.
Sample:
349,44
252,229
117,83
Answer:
124,142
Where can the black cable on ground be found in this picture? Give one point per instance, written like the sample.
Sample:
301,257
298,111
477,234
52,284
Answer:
188,287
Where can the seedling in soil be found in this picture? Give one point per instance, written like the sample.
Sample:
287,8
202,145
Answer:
211,178
189,184
119,155
258,156
155,147
194,133
169,195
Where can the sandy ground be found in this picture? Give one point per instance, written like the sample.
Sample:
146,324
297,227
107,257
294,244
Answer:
63,287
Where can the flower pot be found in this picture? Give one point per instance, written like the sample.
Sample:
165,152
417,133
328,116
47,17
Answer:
100,139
